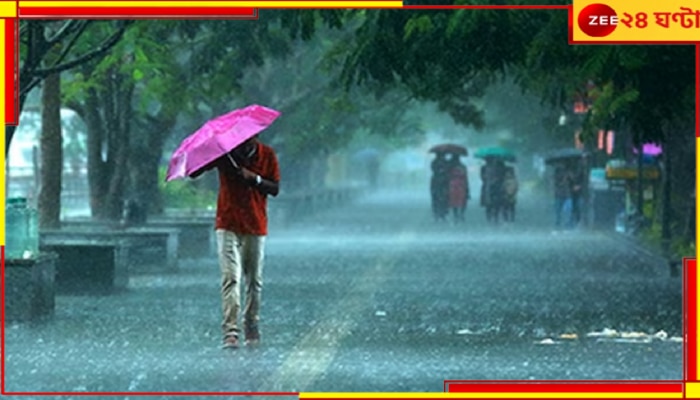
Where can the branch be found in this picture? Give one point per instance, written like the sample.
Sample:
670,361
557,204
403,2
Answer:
100,51
26,88
22,27
67,29
71,43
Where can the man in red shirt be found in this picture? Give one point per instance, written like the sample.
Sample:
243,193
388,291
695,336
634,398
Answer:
247,175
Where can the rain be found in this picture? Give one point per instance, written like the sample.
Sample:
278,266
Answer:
385,269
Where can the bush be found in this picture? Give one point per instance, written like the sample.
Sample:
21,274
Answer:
679,247
183,194
682,248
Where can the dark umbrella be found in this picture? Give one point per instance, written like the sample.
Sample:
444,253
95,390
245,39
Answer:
563,155
449,148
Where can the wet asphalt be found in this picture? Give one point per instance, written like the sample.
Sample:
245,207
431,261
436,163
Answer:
375,297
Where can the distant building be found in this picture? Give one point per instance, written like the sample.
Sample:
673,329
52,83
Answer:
23,158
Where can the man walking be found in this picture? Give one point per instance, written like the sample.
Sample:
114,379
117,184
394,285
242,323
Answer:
247,175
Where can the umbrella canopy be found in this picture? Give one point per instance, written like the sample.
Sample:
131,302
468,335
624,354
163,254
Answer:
563,155
650,149
496,152
217,137
449,148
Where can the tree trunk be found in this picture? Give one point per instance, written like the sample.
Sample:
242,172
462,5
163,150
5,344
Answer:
107,115
96,165
666,206
144,163
51,150
117,101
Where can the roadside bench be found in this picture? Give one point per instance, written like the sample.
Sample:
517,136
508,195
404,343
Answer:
198,238
152,247
198,235
148,248
30,288
88,265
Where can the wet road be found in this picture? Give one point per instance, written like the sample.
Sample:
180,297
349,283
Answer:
375,297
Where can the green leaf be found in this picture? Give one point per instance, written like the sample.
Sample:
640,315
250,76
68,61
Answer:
417,25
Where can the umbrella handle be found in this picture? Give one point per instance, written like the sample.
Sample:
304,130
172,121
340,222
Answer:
235,164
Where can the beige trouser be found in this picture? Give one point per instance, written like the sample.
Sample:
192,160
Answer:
240,254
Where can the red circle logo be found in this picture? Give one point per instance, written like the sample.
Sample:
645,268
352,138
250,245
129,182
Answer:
597,20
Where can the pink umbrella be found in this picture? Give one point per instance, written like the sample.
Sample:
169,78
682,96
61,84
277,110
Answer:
650,149
217,137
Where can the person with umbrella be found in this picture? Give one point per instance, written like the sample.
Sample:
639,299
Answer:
248,174
492,179
440,179
492,193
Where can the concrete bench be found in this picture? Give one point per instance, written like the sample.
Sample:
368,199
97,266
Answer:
30,288
148,248
152,246
198,238
198,241
89,266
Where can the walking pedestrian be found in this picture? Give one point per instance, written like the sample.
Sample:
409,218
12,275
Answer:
562,196
510,191
439,189
247,176
458,188
577,193
492,174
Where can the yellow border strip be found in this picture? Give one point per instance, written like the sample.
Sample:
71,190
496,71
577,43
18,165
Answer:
493,395
8,9
205,4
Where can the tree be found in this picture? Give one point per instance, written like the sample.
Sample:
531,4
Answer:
41,38
131,100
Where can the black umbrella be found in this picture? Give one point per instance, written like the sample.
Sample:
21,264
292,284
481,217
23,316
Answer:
449,148
563,155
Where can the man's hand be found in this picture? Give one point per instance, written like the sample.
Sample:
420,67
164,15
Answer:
247,175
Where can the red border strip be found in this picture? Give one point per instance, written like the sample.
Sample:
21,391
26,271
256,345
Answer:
11,69
488,7
564,387
691,329
137,12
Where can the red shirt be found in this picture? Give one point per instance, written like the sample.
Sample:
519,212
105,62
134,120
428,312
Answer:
241,207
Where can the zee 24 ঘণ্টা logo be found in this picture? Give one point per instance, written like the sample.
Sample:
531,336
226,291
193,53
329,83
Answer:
600,20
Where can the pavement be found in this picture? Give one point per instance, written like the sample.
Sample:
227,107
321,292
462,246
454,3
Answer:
374,297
